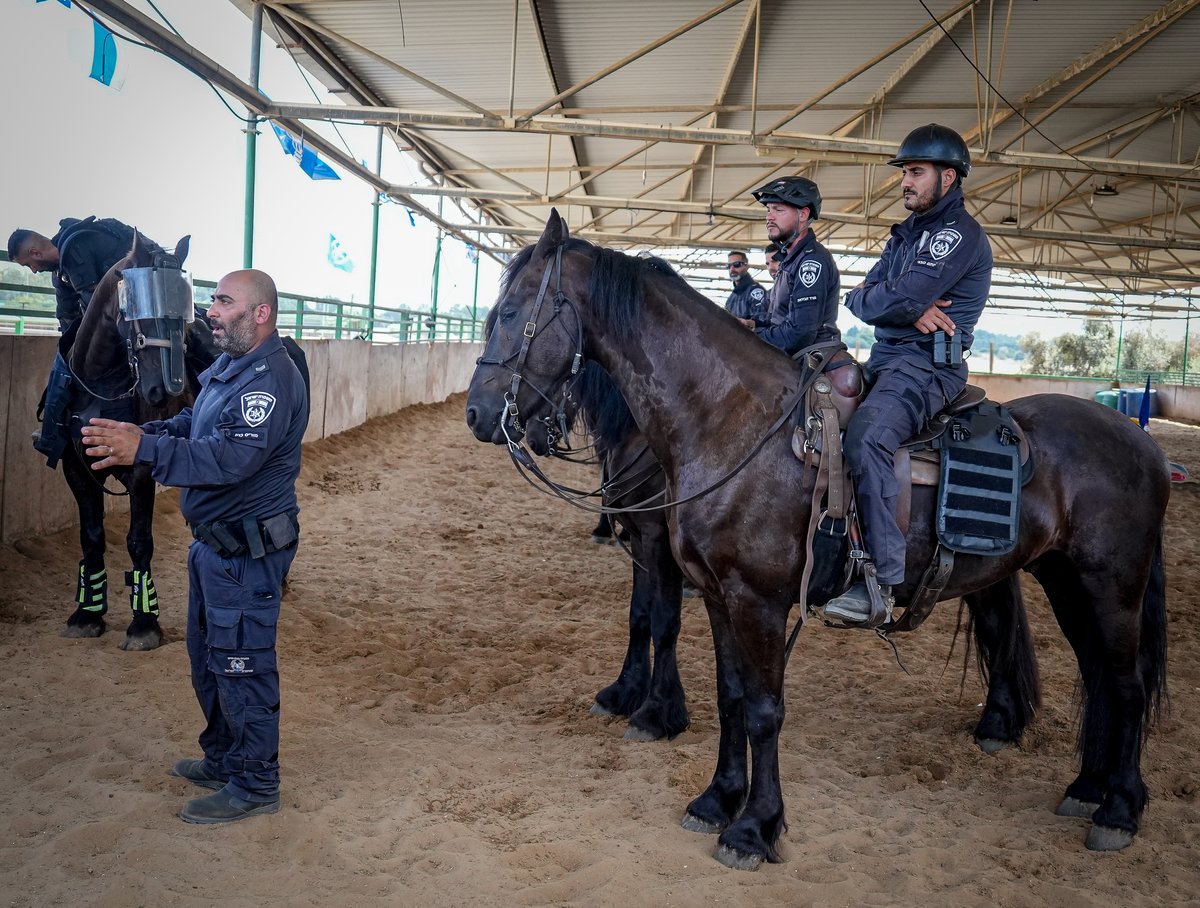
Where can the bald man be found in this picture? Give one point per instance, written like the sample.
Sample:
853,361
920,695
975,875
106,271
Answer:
236,455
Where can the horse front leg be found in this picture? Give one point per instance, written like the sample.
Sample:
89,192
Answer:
628,692
91,588
760,631
717,805
664,713
144,632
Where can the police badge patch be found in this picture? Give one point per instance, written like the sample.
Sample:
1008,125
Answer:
809,272
757,294
257,406
944,242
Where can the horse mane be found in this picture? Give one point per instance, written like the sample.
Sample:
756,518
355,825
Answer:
616,286
604,409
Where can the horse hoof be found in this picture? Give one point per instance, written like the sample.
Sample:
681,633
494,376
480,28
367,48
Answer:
80,631
737,860
598,710
640,735
1107,838
991,745
603,540
142,643
1073,807
693,823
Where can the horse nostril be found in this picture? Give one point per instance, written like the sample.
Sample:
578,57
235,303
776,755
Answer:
472,417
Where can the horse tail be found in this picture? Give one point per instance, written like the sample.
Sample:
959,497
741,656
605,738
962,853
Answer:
1152,646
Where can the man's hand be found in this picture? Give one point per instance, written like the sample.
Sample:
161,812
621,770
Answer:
115,442
748,322
934,319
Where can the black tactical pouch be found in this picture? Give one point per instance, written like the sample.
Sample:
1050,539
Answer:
947,349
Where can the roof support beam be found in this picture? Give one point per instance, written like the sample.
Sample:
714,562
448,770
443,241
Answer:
819,147
636,55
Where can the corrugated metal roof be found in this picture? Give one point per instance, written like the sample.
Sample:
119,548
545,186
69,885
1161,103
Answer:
864,69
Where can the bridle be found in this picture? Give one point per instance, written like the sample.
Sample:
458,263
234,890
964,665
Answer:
557,423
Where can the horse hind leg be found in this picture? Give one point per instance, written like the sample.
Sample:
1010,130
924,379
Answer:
1007,663
144,632
1119,643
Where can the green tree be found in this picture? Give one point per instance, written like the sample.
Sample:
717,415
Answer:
1090,353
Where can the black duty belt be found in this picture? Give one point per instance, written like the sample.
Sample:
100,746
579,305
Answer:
257,535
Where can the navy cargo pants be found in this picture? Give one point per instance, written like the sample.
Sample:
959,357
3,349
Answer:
905,396
233,610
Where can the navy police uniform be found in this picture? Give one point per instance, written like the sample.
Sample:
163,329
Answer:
804,301
748,299
86,250
942,253
236,454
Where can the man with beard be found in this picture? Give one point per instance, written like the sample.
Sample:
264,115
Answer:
803,304
923,296
748,298
236,455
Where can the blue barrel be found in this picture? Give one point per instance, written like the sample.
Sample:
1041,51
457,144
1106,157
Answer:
1108,398
1133,403
1122,400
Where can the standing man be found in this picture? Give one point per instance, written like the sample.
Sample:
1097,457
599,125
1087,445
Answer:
748,299
804,301
236,454
923,296
78,256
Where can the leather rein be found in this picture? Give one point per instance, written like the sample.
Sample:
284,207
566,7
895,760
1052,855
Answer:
557,423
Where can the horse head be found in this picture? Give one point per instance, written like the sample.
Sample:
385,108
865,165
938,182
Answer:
534,346
155,319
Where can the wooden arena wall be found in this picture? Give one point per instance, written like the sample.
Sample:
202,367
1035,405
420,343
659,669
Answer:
352,381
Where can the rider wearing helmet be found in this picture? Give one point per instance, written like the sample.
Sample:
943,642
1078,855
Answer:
804,301
923,296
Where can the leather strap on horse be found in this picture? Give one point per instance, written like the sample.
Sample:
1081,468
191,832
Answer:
925,597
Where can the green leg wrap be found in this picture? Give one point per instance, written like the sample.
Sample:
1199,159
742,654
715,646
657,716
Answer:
92,591
143,597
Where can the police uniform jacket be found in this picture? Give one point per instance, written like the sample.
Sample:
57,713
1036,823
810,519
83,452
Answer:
236,453
748,299
87,249
942,253
804,301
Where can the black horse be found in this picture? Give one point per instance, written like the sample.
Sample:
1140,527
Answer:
714,403
115,375
650,697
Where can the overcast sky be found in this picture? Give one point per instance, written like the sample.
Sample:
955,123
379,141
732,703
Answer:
160,151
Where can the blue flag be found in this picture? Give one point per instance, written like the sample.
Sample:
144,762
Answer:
411,220
338,257
305,156
66,3
1144,409
104,54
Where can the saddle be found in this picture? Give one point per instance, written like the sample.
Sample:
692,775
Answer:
972,451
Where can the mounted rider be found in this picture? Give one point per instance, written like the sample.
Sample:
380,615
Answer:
803,305
923,296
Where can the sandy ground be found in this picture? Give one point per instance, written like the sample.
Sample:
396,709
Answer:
442,639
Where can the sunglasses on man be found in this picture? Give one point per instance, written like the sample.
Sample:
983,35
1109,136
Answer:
738,264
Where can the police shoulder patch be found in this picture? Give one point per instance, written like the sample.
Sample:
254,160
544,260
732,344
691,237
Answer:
757,294
810,271
257,406
945,241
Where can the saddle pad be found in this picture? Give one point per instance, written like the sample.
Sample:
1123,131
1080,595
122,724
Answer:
980,491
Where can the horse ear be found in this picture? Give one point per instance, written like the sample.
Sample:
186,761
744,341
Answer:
553,236
182,247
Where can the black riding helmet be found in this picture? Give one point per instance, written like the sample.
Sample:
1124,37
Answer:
936,144
798,191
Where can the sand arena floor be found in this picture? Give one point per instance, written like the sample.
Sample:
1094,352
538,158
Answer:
439,655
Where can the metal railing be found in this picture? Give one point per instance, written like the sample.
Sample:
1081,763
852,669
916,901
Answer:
29,309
